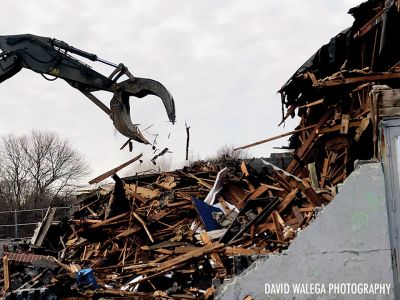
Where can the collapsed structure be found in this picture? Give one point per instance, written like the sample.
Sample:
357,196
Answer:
178,235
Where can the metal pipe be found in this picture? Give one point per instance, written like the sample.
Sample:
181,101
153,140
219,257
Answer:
16,224
107,62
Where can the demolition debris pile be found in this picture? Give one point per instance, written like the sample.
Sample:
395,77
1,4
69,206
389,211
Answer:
180,234
152,234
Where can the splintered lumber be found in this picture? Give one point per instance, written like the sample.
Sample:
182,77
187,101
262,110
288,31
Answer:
354,80
144,226
207,241
232,251
305,148
297,215
209,293
286,201
277,226
334,128
344,126
185,257
109,221
144,193
313,175
244,169
115,170
320,101
277,137
310,193
164,151
258,192
156,230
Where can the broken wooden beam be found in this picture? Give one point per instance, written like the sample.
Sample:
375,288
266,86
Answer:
113,171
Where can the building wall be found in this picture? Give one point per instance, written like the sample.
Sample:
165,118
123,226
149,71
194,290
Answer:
348,242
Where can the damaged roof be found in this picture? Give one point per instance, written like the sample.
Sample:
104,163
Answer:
347,51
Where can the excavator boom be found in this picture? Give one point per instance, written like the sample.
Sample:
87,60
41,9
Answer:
53,57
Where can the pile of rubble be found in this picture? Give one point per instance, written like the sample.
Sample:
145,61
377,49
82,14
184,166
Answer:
178,235
175,234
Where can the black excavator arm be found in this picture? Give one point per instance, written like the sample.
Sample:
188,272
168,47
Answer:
52,57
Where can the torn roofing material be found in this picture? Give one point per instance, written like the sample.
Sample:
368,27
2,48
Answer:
346,51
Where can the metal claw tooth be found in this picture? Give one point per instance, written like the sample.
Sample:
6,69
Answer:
120,114
141,87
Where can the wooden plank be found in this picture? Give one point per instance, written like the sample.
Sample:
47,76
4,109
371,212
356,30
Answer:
313,175
388,96
324,172
232,251
389,111
142,191
299,217
360,129
184,249
200,181
301,152
389,103
312,77
207,241
264,227
168,183
370,24
258,192
40,235
176,261
282,181
113,171
108,221
129,232
276,137
277,226
353,80
310,193
144,226
344,126
244,169
271,187
209,293
289,112
314,103
6,273
334,128
287,200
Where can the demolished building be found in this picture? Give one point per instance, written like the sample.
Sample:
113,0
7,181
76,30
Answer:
181,234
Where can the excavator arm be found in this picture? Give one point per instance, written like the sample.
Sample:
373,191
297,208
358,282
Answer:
53,57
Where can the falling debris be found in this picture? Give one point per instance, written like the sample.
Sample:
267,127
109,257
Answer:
164,151
187,141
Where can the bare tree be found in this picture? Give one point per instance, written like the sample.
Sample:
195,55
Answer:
38,169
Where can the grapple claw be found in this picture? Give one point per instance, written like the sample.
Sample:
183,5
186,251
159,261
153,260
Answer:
141,87
120,114
138,87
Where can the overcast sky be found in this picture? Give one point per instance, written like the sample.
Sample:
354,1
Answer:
223,62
